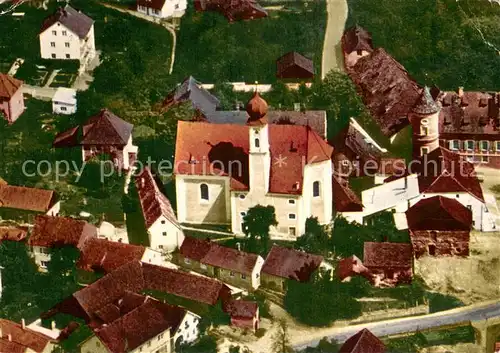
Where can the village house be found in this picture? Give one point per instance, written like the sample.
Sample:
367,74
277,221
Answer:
363,342
283,264
49,232
11,98
293,65
345,199
350,267
23,203
64,101
17,338
162,8
104,134
234,10
244,314
356,43
389,263
68,34
232,266
165,233
238,167
439,226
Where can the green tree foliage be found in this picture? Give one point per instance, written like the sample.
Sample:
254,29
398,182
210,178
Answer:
442,302
206,344
238,349
324,346
256,225
281,339
409,344
316,239
215,316
328,300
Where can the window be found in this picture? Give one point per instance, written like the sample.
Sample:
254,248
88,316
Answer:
257,143
345,162
425,121
243,276
203,266
64,109
163,221
243,214
292,231
424,150
359,52
54,33
424,130
160,246
485,159
454,145
469,207
160,337
176,6
457,195
149,344
497,146
53,44
68,56
66,44
53,55
64,33
470,159
291,216
231,273
242,196
469,145
484,145
291,202
187,261
44,264
316,189
98,344
164,234
204,192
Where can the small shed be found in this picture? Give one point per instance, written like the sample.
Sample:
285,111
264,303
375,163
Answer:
64,101
293,65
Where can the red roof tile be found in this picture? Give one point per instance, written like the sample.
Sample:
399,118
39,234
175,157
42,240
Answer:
291,264
29,199
242,309
51,231
363,342
154,203
8,86
387,255
344,199
25,337
13,233
439,213
106,128
349,267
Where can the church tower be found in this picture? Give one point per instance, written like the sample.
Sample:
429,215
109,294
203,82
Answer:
424,119
260,156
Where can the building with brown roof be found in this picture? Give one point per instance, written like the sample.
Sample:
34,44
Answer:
344,198
356,43
162,8
17,338
293,65
363,342
11,98
244,314
233,10
165,232
223,170
49,232
284,264
102,134
350,267
389,263
439,226
11,233
18,201
232,266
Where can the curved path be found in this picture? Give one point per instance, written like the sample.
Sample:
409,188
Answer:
332,58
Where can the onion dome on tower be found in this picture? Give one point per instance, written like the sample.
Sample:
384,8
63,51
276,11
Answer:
257,110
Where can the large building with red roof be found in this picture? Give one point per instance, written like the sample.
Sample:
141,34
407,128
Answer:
363,342
11,98
17,338
223,170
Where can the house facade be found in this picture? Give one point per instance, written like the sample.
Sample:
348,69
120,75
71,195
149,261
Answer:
162,8
64,101
239,167
68,34
244,314
11,98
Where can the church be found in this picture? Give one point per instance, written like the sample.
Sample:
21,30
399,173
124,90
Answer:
222,170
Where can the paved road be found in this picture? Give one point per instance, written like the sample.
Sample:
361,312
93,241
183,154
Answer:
332,53
394,327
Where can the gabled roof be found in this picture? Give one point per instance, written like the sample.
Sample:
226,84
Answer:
13,233
152,4
387,255
357,38
439,213
154,203
8,86
213,254
76,21
344,199
106,128
244,309
294,59
200,144
28,199
191,90
26,338
363,342
50,231
291,264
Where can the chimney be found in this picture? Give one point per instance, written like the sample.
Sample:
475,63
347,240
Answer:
53,325
23,324
238,246
460,91
9,337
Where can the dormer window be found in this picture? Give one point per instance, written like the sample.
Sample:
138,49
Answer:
257,143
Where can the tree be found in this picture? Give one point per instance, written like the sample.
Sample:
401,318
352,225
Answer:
206,344
256,225
324,346
238,349
315,239
281,339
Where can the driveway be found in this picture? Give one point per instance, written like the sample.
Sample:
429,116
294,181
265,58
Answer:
337,12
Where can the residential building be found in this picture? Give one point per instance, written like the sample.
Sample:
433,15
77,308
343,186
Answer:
234,10
64,101
439,226
293,65
356,43
11,98
68,34
244,314
22,203
345,199
162,8
232,266
238,167
49,232
283,264
363,342
389,263
165,232
17,338
102,134
351,266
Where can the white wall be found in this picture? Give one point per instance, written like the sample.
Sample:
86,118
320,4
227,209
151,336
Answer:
40,256
54,211
256,272
188,328
60,49
170,8
320,206
164,235
63,108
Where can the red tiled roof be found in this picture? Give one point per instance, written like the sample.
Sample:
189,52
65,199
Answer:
194,287
356,38
213,254
7,346
152,4
25,337
8,86
439,213
242,309
113,311
350,266
60,231
291,264
23,198
292,59
363,342
204,143
391,166
68,138
344,199
106,128
387,255
154,203
13,233
108,255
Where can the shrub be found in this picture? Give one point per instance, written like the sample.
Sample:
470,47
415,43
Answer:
441,302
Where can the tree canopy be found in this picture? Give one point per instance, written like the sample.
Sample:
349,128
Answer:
256,225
